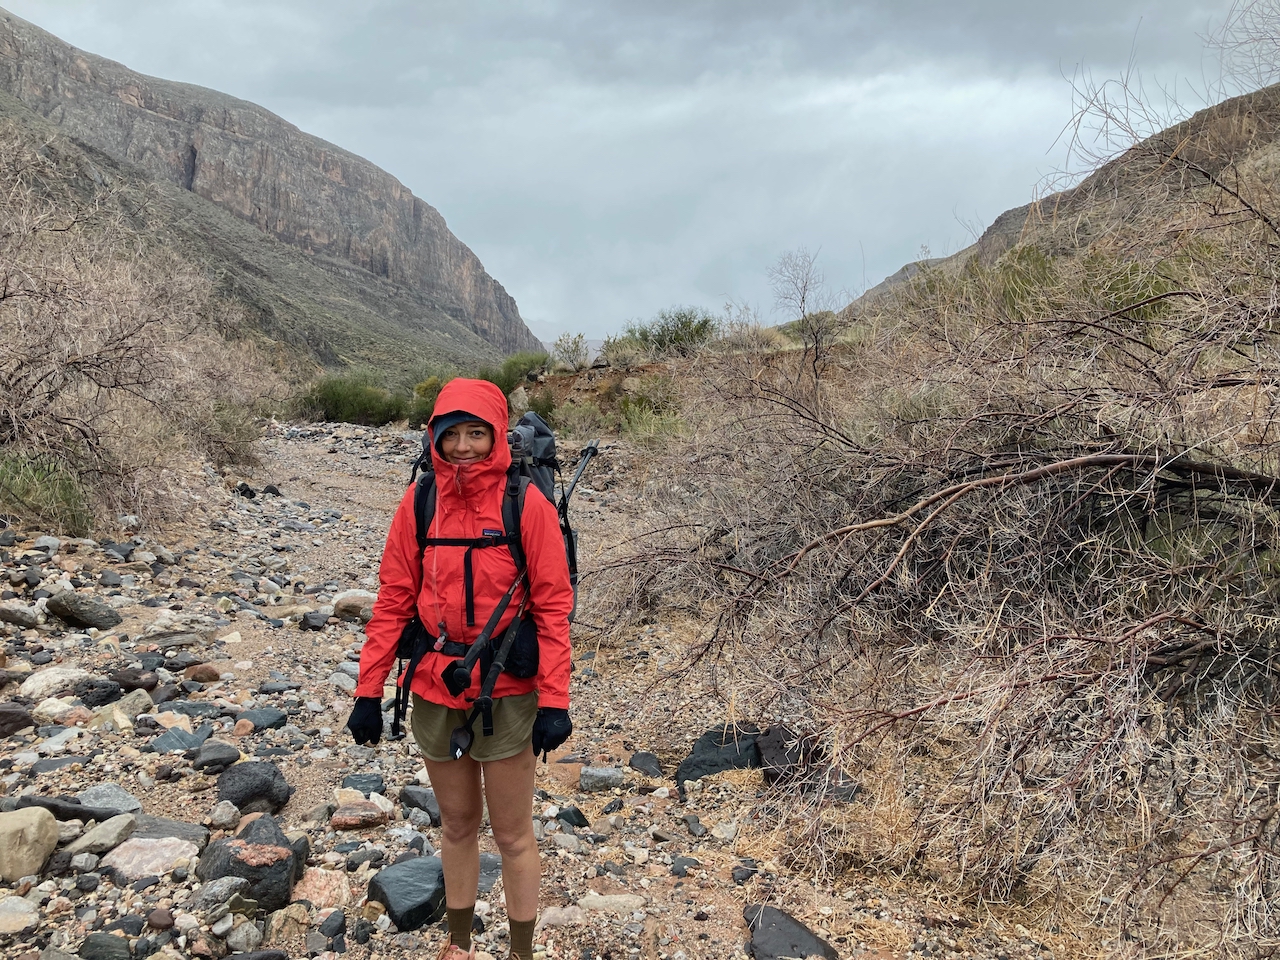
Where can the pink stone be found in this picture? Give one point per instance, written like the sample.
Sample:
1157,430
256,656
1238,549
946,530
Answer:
140,857
357,816
323,888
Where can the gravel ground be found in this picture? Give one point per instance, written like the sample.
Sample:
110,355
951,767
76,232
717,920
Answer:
229,586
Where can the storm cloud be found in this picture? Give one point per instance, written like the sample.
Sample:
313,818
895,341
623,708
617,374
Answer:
608,159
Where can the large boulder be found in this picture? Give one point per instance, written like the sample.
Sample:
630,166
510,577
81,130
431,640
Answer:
81,610
257,787
261,854
412,892
27,837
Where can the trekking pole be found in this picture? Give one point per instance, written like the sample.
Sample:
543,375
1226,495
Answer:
589,451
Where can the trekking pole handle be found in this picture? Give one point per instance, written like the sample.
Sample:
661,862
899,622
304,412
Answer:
589,451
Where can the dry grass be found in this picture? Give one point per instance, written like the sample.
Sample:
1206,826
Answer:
1009,559
114,370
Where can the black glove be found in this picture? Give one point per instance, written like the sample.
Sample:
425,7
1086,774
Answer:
550,729
365,722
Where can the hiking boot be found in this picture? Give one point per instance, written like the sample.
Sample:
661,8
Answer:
452,952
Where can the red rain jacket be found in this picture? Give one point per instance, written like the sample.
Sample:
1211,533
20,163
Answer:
469,505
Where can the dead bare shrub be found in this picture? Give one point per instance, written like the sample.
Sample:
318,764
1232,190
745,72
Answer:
1014,559
113,368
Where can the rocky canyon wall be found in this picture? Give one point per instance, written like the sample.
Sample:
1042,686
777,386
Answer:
289,184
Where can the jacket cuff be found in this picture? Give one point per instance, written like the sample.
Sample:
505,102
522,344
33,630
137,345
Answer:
553,701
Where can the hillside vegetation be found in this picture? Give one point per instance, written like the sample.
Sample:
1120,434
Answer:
1001,545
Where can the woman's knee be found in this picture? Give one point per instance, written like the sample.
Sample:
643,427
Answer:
459,826
514,839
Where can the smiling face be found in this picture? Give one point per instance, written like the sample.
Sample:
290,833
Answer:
468,442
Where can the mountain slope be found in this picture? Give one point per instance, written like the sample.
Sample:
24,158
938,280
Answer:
382,247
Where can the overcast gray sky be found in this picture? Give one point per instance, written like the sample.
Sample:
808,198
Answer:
608,159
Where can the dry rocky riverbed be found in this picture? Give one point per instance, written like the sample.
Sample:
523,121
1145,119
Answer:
188,689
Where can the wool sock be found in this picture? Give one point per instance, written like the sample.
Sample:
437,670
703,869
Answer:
460,925
522,938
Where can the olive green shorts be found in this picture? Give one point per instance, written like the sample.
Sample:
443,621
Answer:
433,725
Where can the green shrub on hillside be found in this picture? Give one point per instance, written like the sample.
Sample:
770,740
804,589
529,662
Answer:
43,488
351,399
571,351
623,352
674,332
543,403
514,370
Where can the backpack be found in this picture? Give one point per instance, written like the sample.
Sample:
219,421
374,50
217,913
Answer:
533,460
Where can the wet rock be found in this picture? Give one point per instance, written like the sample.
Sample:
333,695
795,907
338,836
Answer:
104,946
412,892
777,936
14,717
254,787
595,779
110,796
646,763
721,748
81,610
27,838
260,853
18,915
45,683
140,857
105,836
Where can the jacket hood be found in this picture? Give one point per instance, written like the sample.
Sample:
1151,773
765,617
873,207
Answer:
486,401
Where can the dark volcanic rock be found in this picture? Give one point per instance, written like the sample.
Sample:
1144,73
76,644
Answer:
104,946
422,798
132,678
781,755
254,787
777,936
366,783
646,763
261,854
80,610
727,747
14,718
215,756
412,892
177,739
66,808
264,718
97,693
313,621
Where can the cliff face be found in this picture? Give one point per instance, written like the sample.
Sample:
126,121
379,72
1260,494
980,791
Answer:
292,186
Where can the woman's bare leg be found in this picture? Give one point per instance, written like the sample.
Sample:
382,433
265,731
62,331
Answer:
457,787
508,786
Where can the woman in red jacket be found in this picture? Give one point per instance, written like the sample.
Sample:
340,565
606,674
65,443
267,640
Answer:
530,716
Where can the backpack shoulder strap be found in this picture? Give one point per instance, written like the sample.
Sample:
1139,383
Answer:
424,506
512,509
